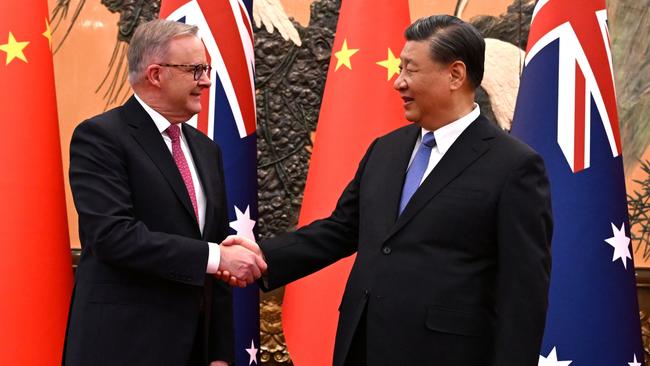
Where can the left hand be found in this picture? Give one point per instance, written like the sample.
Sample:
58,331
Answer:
218,363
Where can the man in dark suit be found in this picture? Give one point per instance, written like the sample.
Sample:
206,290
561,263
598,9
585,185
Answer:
450,218
149,190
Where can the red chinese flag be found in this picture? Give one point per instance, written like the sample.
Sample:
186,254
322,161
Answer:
359,105
35,267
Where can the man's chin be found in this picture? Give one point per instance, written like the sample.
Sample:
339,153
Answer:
411,118
194,109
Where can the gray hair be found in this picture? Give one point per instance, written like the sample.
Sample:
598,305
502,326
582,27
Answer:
150,42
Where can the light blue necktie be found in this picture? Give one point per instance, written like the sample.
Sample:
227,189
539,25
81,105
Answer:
417,169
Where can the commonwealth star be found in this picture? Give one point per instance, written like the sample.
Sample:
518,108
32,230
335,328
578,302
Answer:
244,224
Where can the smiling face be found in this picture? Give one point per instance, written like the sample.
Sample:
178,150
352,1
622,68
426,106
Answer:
424,85
180,94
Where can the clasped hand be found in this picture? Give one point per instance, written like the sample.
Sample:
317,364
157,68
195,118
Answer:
242,261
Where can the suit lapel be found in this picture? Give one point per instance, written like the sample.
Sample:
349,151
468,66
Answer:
469,146
206,169
397,163
144,131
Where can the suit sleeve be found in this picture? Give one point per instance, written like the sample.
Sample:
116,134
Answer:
102,197
524,261
295,255
221,344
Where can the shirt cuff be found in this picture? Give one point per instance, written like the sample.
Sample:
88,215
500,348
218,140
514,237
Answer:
214,257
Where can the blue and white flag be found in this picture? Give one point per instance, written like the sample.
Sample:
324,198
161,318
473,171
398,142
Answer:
566,110
230,120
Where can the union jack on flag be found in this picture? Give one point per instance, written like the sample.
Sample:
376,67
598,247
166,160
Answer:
229,119
585,70
566,110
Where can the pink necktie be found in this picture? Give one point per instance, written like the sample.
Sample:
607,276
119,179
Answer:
174,132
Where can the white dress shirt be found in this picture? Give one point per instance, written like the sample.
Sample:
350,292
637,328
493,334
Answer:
162,124
445,137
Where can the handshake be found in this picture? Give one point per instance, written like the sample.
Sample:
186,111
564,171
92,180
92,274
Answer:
242,261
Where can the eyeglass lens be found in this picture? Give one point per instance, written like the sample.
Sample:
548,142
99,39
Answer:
200,69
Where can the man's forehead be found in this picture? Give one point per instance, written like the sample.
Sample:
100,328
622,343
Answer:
410,50
186,46
185,39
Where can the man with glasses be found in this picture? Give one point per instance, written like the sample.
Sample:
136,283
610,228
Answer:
149,190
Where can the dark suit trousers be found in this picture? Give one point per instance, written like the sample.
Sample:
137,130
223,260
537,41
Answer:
197,357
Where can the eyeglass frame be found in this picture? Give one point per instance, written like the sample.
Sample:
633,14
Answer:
197,69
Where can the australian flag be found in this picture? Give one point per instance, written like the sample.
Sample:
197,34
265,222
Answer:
225,28
566,110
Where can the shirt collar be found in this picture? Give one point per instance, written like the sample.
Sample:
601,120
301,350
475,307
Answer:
161,122
447,134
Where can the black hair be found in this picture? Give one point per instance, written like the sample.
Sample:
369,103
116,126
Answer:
451,39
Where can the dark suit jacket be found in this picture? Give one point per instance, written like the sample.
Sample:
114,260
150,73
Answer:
461,277
141,290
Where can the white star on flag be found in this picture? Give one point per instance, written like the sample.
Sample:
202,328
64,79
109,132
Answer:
551,360
244,225
252,353
635,362
621,244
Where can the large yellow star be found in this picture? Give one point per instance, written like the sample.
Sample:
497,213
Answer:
14,49
391,63
48,33
343,56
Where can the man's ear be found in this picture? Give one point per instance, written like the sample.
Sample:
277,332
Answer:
153,73
457,74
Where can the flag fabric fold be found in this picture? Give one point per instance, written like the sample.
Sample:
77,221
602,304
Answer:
359,105
35,265
228,117
566,110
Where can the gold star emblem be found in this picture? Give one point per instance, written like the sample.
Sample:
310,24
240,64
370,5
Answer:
343,56
391,63
14,49
48,33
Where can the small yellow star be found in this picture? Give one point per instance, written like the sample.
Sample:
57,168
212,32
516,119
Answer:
343,56
48,33
14,49
391,64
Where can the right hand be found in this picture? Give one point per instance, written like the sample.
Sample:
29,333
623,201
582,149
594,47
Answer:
241,265
244,242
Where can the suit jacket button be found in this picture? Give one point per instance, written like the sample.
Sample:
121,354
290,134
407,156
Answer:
386,250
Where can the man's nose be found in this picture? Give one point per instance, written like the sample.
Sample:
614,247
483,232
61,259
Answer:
399,82
204,81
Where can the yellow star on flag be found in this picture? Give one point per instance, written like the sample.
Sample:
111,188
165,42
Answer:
48,33
14,49
391,63
343,56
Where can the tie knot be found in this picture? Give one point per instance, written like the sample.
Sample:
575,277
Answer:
173,131
429,139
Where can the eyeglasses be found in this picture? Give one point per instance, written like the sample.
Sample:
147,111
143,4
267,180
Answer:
197,69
